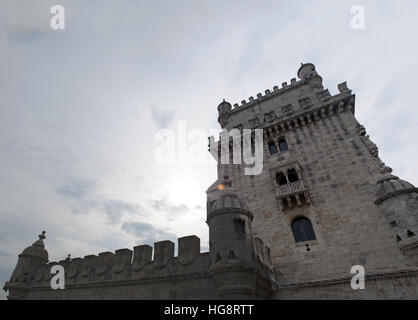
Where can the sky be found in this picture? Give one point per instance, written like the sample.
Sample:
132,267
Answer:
80,107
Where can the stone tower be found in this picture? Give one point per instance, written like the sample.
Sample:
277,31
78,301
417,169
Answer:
241,266
324,200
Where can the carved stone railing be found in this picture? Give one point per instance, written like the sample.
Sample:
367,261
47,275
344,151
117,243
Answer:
290,188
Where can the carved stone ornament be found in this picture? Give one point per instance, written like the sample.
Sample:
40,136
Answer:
287,110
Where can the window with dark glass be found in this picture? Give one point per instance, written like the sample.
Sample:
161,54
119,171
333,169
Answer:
283,145
239,226
273,148
292,175
303,230
281,179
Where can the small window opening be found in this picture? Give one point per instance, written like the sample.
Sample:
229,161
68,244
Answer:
273,148
283,145
239,226
292,175
281,179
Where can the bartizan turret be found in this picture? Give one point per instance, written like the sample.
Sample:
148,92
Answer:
307,73
30,260
240,265
398,199
224,110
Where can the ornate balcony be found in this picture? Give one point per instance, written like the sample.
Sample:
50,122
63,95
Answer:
290,188
292,194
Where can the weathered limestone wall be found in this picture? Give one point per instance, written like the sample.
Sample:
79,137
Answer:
379,288
340,175
191,287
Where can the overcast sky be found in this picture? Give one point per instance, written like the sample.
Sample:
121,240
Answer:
79,108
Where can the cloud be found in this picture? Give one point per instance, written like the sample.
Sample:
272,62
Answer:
164,205
114,210
76,189
147,233
4,254
171,211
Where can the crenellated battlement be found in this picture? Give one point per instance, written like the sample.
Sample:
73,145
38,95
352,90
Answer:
268,94
280,104
323,95
142,263
143,266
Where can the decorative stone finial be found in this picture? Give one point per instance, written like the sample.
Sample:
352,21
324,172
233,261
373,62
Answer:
42,236
384,169
361,130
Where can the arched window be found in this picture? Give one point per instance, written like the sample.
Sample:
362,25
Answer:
292,175
302,230
281,179
273,148
283,145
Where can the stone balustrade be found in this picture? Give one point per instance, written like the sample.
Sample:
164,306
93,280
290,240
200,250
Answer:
290,188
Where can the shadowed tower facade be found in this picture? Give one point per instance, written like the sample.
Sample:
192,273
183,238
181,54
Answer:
324,200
